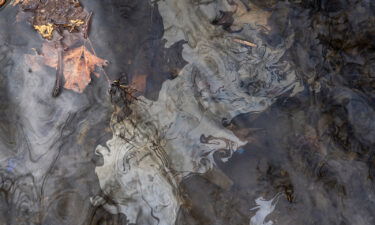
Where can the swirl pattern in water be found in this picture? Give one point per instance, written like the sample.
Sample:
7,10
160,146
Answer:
208,112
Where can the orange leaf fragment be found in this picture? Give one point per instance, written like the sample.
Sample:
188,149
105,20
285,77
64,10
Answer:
79,63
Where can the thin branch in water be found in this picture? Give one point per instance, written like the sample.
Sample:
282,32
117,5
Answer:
59,73
86,28
243,42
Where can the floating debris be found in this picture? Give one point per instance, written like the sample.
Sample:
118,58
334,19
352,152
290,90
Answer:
264,208
45,30
247,43
73,24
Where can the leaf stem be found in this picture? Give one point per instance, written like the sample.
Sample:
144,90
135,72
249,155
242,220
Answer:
59,73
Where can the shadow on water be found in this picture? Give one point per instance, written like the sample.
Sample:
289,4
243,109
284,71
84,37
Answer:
316,148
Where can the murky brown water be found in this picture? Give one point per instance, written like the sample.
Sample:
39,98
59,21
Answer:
281,132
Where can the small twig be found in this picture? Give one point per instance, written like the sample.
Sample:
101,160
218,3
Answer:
87,26
128,90
247,43
59,73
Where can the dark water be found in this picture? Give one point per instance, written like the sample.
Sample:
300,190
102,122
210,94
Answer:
313,149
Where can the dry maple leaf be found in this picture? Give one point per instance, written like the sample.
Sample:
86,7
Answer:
79,63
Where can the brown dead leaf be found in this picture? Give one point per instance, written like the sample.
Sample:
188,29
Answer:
70,15
74,64
79,63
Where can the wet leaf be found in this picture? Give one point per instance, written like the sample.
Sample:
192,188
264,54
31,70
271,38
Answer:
79,63
51,15
73,24
45,30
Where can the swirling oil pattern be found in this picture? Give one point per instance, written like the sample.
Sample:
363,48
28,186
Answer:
255,112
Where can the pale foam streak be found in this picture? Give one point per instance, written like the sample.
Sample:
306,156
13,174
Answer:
264,208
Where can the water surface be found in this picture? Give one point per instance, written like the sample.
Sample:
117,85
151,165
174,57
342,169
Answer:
222,132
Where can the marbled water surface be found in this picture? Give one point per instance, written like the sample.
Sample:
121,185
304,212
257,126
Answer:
247,112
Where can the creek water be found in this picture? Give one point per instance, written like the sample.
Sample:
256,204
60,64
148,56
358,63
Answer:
247,112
